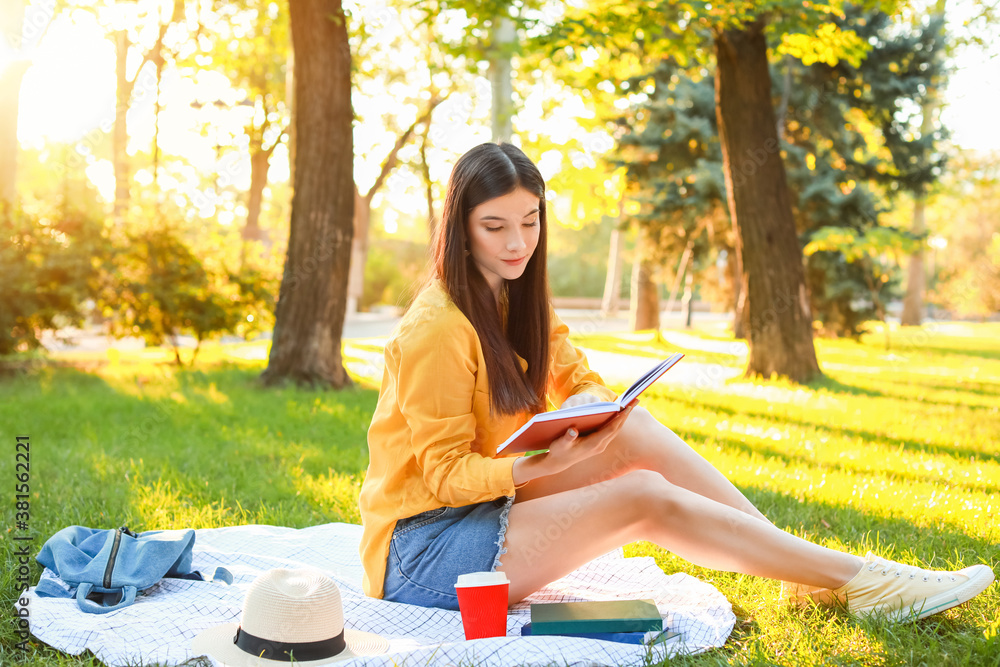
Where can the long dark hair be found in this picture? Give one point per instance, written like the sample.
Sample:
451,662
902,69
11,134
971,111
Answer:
486,172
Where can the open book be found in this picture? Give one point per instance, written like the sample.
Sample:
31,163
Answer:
545,427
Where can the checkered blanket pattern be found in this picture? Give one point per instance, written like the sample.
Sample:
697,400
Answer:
159,627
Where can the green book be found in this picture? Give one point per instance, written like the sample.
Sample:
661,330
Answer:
595,616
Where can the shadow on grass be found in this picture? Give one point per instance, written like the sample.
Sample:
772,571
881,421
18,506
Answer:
934,546
648,347
891,536
799,461
205,446
906,443
977,387
960,352
837,387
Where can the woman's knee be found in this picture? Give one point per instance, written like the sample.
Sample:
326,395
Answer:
646,493
636,443
640,418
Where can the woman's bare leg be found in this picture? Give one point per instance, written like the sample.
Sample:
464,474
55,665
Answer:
550,536
645,444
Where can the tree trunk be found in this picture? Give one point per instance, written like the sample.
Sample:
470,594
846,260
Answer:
425,173
682,266
773,280
913,302
502,109
687,299
613,279
363,208
359,251
644,312
739,302
10,90
290,96
916,279
123,98
309,317
11,25
119,138
260,164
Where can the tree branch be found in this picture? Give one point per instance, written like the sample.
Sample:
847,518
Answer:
277,141
390,161
154,51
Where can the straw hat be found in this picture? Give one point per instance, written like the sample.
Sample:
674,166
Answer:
288,614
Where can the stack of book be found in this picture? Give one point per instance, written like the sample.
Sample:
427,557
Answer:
626,621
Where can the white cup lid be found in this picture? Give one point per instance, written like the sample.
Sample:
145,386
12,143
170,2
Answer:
481,579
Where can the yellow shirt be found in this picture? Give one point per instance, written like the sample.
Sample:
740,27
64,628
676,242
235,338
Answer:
431,440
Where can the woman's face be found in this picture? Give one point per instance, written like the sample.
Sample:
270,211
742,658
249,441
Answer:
503,234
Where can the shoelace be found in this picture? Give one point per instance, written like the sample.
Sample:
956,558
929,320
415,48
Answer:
909,570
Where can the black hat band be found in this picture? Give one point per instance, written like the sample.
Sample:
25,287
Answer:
287,651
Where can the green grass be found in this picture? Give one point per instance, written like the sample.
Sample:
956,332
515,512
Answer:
895,451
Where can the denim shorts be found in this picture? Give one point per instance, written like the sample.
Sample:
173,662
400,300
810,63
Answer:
429,550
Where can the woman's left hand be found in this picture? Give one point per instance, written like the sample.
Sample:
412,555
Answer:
581,399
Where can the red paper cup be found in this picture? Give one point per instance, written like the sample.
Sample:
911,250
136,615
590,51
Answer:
482,599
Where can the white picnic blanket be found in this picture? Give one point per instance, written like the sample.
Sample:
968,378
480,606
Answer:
159,627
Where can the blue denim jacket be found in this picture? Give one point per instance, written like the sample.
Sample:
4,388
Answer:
108,567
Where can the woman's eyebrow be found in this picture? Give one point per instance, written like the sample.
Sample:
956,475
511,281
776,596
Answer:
502,219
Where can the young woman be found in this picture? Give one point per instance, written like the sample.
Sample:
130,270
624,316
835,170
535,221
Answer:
477,353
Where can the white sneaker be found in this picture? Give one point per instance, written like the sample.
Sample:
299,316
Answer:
906,593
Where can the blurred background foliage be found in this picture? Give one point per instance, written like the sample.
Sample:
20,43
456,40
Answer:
194,244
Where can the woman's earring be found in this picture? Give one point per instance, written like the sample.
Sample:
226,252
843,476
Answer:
467,253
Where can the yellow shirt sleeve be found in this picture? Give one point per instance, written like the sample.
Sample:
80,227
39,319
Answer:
436,384
569,373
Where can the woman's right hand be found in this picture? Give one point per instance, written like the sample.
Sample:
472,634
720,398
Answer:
572,448
568,449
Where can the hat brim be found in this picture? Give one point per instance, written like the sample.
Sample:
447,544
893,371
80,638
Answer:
217,643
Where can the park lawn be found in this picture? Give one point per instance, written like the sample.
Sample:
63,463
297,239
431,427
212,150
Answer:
894,451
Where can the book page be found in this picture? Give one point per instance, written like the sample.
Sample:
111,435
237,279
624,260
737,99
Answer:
649,378
586,408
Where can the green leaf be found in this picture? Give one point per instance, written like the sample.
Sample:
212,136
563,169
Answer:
828,44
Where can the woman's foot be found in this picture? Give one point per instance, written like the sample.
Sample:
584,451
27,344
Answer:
801,595
897,592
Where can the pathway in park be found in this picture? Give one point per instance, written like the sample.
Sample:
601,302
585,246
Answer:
614,368
365,334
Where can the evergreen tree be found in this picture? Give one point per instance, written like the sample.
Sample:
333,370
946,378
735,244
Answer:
671,150
846,147
853,143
